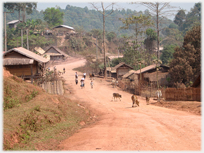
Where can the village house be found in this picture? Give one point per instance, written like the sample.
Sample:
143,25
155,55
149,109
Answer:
63,30
119,70
55,53
13,24
24,63
149,74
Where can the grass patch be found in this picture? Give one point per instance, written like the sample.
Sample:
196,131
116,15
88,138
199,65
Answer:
38,120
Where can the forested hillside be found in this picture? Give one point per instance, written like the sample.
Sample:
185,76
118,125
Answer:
83,18
138,36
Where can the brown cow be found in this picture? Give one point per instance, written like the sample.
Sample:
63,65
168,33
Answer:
134,100
116,95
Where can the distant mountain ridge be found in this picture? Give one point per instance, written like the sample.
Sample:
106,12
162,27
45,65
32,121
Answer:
85,19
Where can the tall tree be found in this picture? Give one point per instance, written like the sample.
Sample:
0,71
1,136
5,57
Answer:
167,54
53,16
150,44
137,23
180,18
186,65
105,14
161,10
193,18
25,7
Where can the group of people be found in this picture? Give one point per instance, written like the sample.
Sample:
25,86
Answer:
82,80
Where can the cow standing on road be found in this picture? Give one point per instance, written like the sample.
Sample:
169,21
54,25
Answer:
116,95
134,100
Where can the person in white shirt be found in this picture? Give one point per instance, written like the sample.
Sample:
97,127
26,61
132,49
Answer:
91,83
158,94
84,75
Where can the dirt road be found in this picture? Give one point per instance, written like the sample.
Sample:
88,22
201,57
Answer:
123,128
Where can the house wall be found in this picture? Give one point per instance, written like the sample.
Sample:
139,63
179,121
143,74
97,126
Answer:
56,57
62,31
22,70
13,25
121,71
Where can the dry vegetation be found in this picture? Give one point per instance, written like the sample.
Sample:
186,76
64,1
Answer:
193,107
36,120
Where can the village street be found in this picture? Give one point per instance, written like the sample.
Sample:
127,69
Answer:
123,128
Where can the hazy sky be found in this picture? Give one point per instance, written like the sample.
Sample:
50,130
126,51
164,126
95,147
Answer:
120,4
42,5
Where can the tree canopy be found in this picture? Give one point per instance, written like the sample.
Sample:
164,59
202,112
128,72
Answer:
186,65
53,16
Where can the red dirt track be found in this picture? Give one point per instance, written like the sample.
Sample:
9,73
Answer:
123,128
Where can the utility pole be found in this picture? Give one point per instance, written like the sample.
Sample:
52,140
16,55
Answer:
5,32
104,48
21,37
5,35
27,40
96,50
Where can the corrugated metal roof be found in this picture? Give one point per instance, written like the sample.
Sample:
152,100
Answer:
28,53
17,61
146,69
13,22
128,74
39,50
64,26
113,57
120,64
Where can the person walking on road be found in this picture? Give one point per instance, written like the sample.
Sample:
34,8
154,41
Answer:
76,75
91,83
76,80
158,94
82,82
84,75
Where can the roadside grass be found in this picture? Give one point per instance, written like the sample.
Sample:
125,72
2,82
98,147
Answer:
38,120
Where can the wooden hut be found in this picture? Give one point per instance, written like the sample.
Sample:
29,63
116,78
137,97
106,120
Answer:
55,53
24,63
63,30
149,74
121,69
13,23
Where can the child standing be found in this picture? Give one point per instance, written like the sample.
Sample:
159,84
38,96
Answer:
91,83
